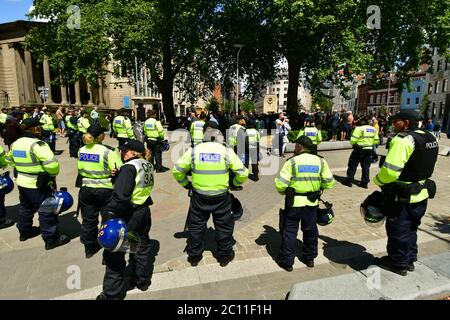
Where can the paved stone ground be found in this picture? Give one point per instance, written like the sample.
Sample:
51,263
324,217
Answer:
27,271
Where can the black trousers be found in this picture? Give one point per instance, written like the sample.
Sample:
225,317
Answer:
156,156
50,138
74,143
280,143
92,201
30,201
2,209
289,224
401,228
358,156
252,157
199,212
139,262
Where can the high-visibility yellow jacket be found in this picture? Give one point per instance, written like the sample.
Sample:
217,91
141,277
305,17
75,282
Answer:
364,137
30,156
209,163
312,133
153,129
305,173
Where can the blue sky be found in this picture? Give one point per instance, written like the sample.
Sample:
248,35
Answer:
12,10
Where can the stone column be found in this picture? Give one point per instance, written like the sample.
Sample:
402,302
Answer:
100,93
31,90
64,95
47,80
77,94
90,103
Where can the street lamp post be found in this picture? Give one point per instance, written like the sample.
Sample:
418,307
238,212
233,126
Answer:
237,76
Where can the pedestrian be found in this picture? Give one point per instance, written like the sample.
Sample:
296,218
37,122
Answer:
122,127
209,163
61,124
405,182
154,134
279,133
94,115
97,164
4,221
130,201
48,127
363,138
301,180
12,127
37,169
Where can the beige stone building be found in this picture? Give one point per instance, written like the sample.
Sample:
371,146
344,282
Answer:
22,79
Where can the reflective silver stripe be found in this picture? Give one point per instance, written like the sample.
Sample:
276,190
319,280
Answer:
183,180
209,171
94,173
105,160
28,175
328,180
32,156
306,179
287,182
9,159
180,168
294,173
237,182
211,193
96,181
241,171
392,167
49,161
18,164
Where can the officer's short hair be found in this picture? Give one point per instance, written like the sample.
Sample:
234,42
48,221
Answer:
305,142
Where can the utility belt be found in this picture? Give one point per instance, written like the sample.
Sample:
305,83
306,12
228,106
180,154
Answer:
402,192
290,197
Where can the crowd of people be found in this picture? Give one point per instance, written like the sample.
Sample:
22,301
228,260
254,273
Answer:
115,187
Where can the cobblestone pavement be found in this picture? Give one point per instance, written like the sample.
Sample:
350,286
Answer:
27,271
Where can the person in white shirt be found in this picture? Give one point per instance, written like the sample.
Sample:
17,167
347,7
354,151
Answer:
280,132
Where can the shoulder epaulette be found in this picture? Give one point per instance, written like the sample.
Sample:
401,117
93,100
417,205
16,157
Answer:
109,147
41,143
402,134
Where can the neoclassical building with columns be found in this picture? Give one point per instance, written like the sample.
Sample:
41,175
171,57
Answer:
21,77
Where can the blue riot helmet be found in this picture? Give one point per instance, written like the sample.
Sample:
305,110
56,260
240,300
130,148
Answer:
165,146
372,210
58,202
115,237
6,184
325,216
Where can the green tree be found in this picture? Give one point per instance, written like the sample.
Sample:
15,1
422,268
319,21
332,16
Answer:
248,106
327,36
76,48
227,106
323,102
212,105
425,106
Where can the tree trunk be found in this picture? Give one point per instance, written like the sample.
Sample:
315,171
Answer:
294,76
167,99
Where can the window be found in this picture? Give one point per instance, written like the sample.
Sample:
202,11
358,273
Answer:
378,98
408,101
383,99
417,100
285,89
433,110
430,88
278,89
285,95
439,65
441,109
436,86
372,98
418,89
444,85
273,90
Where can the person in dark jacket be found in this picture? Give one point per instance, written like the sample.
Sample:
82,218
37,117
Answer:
12,125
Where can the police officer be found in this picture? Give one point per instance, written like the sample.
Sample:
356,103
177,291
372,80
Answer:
196,130
311,132
37,167
4,222
209,163
301,179
235,134
252,150
404,180
72,133
131,200
122,127
364,137
3,116
83,124
96,165
154,132
48,129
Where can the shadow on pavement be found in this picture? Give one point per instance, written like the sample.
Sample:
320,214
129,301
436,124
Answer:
210,243
271,238
69,225
442,224
346,253
341,180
